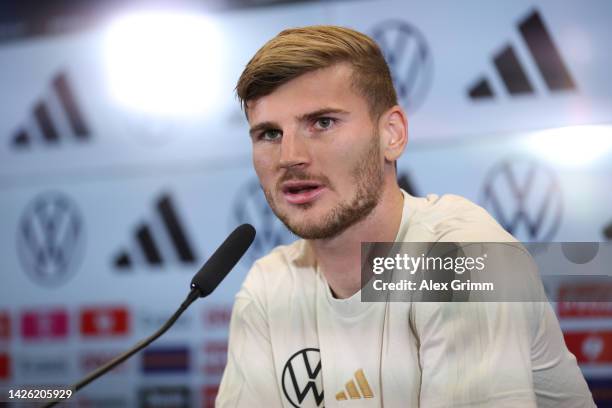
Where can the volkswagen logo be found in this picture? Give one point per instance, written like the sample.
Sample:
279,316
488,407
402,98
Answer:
303,378
251,207
50,239
525,198
409,60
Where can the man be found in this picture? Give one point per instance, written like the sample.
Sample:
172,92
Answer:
326,132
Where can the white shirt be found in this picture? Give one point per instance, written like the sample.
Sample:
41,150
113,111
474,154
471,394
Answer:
292,344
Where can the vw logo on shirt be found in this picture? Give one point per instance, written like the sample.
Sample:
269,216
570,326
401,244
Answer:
303,379
50,239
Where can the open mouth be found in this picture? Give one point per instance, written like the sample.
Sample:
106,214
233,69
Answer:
301,192
299,189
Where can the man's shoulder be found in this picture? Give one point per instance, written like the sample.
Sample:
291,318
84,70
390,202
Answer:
445,203
452,217
279,267
281,256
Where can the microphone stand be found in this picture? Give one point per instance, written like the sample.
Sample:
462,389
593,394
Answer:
193,295
202,285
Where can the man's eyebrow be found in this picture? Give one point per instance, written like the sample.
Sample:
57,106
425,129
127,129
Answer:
305,117
262,126
321,112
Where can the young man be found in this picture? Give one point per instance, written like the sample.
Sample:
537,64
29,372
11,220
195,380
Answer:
326,132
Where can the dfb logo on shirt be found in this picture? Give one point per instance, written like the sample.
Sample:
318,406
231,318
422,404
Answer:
51,324
303,378
104,321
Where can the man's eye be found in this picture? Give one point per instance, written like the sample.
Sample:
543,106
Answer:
271,134
324,123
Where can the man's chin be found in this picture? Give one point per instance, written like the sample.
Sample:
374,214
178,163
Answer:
308,231
306,227
309,221
313,228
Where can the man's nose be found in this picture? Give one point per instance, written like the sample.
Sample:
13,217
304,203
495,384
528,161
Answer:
293,150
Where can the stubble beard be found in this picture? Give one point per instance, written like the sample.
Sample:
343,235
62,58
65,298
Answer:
367,175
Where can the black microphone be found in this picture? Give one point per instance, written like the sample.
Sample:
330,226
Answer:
223,260
203,283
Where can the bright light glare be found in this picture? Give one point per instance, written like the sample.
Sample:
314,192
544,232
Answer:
573,145
163,63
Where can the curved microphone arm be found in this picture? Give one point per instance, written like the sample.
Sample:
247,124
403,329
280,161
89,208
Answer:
203,284
193,295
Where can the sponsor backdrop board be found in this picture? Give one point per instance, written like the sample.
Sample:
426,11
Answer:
106,213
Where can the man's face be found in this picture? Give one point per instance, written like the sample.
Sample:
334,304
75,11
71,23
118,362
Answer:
317,153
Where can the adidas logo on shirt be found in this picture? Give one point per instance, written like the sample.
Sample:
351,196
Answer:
351,391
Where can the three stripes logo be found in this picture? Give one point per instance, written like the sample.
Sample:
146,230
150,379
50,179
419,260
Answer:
350,389
162,239
55,116
545,54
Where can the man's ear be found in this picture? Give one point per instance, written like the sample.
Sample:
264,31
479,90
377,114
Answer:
393,128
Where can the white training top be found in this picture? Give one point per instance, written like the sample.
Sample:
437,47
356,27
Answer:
292,344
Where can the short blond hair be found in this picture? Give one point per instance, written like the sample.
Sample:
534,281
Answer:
296,51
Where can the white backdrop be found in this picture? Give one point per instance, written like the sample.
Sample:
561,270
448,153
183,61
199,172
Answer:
75,205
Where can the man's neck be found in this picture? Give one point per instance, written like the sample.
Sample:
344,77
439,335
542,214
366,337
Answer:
339,258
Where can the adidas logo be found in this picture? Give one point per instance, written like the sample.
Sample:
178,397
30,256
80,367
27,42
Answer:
162,239
54,116
351,388
511,71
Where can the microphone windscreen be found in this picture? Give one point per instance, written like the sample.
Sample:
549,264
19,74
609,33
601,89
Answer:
223,260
